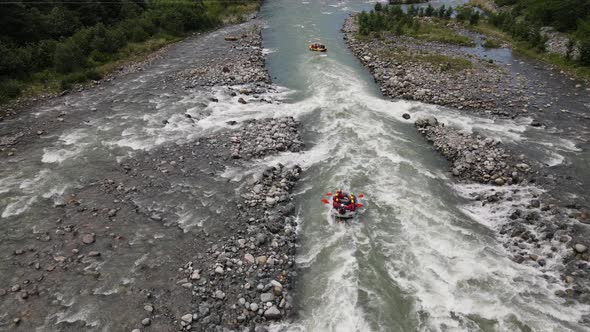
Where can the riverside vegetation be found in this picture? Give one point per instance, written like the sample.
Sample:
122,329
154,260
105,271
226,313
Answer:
518,22
49,47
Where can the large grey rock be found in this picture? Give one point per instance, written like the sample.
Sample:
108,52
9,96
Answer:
426,122
580,248
272,313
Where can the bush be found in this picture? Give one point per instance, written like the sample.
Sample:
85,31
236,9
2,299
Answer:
43,54
583,36
474,18
70,80
10,88
490,43
68,57
16,60
585,52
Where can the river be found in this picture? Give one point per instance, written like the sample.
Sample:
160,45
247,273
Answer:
420,257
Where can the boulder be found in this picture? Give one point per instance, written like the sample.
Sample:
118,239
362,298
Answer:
580,248
272,313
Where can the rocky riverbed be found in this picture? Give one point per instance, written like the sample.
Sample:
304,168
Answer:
538,226
437,73
120,249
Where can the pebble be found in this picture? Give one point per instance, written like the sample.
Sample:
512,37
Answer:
146,322
187,318
88,238
195,275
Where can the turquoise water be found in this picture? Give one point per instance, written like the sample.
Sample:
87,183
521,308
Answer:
419,258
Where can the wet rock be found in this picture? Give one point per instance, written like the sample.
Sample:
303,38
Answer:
219,295
272,313
195,275
241,101
406,116
260,239
499,181
426,122
248,258
188,318
88,238
580,248
146,322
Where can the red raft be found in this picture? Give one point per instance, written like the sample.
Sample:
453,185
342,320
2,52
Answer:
344,205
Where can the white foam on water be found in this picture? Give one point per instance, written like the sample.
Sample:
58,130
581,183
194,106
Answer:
554,159
267,51
18,205
77,314
457,275
70,145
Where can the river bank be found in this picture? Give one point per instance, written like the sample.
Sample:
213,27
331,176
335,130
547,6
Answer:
103,236
522,197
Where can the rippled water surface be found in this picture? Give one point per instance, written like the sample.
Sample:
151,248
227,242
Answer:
419,257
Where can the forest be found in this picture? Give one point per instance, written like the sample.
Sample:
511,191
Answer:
63,43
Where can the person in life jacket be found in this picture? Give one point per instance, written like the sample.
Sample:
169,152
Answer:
337,203
339,195
351,206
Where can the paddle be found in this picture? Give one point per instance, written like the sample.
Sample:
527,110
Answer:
325,201
328,194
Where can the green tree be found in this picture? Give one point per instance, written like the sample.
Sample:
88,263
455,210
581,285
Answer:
69,57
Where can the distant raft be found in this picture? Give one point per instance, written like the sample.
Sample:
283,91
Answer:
316,47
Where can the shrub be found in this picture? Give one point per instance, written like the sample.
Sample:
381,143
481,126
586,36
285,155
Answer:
68,57
490,43
10,88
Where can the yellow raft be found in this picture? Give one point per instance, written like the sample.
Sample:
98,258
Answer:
317,48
